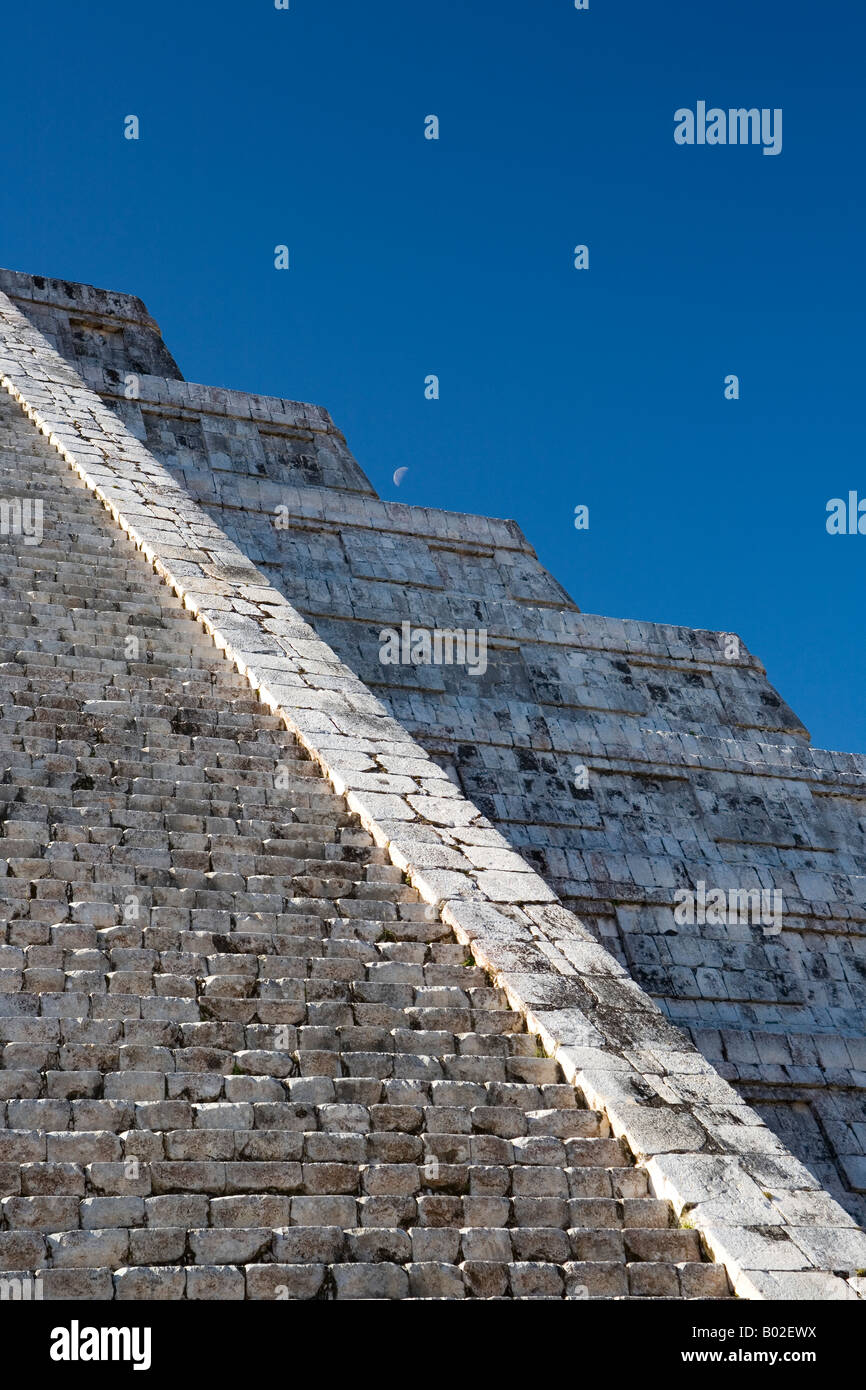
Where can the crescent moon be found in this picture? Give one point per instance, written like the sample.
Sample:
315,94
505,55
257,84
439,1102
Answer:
399,475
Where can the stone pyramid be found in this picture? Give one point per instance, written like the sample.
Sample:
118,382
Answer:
285,1013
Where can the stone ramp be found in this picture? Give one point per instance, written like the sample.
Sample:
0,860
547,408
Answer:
240,1057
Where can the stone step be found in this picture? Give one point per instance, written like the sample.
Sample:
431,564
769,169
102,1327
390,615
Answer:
377,1280
129,1237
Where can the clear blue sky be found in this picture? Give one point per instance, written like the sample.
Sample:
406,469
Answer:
411,257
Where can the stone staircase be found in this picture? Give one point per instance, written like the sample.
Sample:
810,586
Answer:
240,1057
